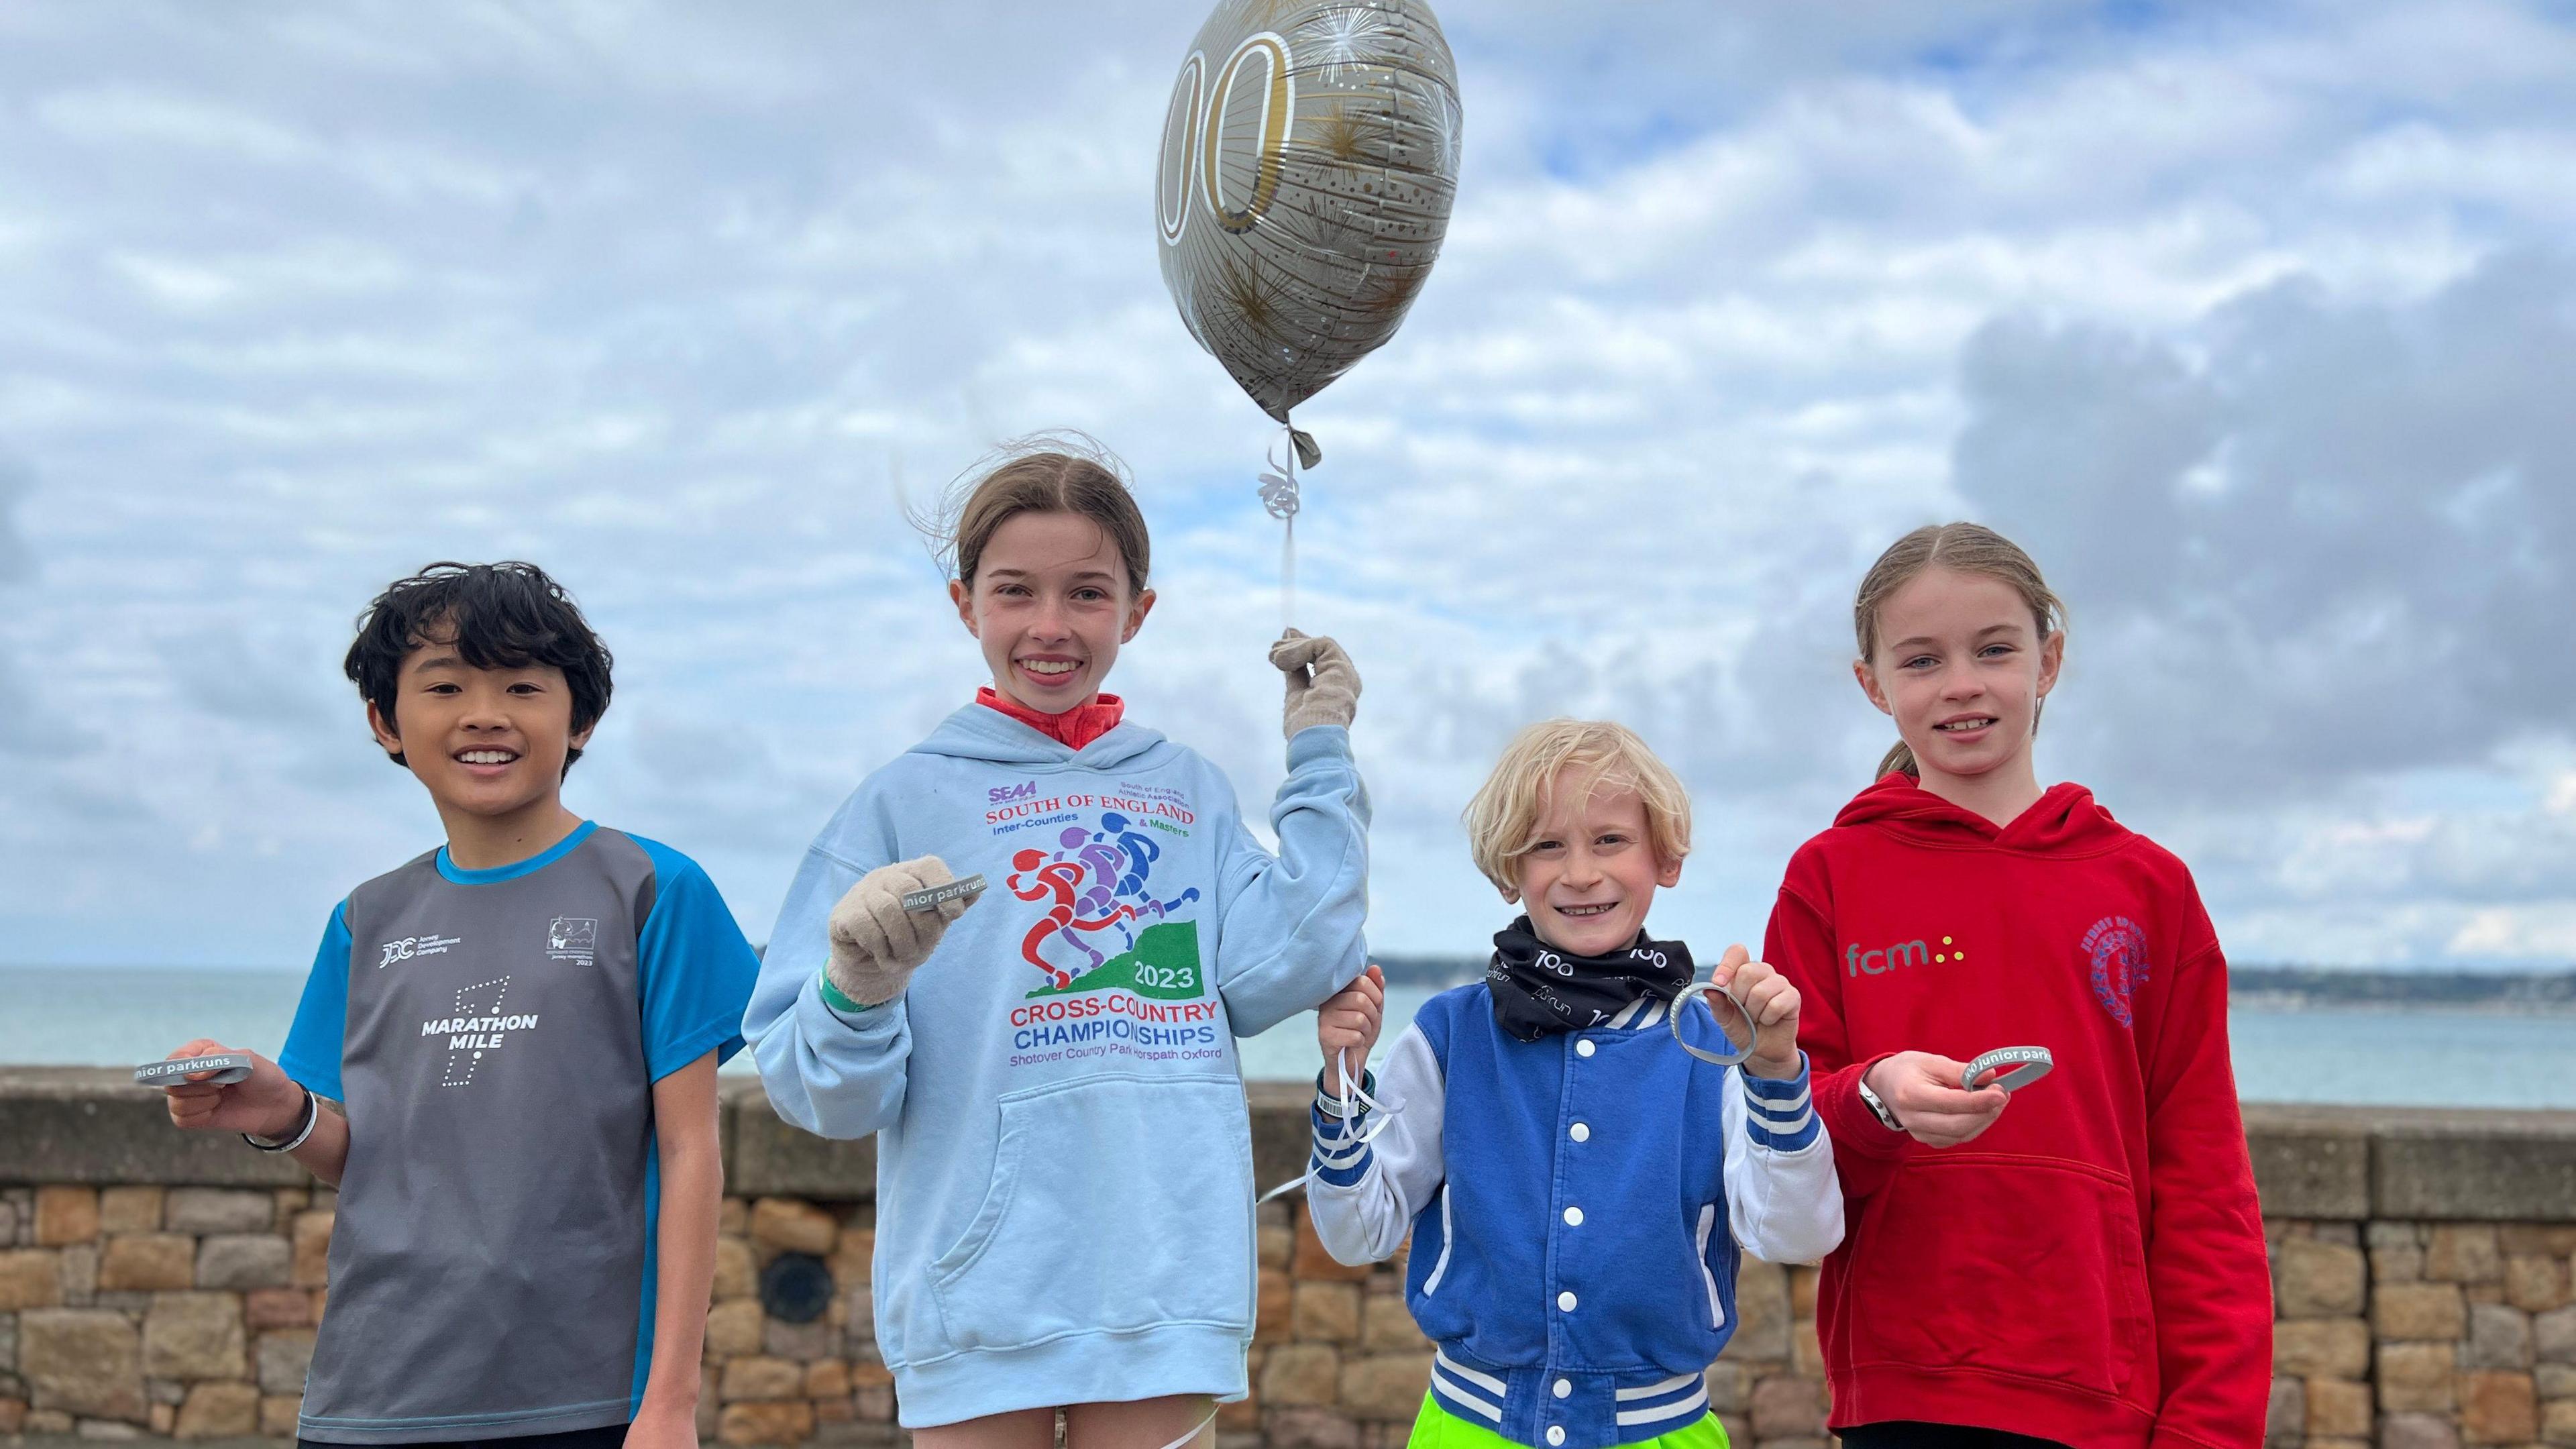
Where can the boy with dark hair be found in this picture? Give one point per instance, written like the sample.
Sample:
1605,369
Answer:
524,1026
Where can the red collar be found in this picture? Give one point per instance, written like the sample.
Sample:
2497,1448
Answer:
1073,729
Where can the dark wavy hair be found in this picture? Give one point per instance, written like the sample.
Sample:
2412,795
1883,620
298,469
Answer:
505,615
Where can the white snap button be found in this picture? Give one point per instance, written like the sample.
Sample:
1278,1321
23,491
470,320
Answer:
1556,1433
1583,1048
1564,1387
1579,1132
1574,1217
1565,1301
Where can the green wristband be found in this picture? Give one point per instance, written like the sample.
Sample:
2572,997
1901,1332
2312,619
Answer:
837,999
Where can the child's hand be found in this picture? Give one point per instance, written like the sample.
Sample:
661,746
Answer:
1323,687
876,943
1772,1004
1347,1025
1922,1089
267,1103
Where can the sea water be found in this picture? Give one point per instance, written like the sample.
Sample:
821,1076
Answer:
119,1016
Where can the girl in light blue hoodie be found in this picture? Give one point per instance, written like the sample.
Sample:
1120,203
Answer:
1064,1160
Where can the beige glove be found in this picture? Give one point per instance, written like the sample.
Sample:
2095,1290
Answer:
876,943
1323,687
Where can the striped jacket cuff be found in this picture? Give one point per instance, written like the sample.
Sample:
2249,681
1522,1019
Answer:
1340,1158
1780,1115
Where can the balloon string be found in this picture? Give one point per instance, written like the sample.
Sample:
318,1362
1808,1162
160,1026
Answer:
1351,1098
1288,576
1279,498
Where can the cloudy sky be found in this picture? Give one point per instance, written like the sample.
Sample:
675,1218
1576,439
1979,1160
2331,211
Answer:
2254,322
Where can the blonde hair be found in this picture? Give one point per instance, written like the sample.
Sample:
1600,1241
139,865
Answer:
1968,548
1503,820
1064,472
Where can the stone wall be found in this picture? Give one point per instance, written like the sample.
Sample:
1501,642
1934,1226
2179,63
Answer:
157,1284
2421,1276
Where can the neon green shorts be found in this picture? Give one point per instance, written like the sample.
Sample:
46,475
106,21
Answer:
1437,1428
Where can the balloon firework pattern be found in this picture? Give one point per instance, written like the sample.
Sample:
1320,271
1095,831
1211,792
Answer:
1309,160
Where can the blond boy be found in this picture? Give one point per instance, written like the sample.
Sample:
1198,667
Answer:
1574,1183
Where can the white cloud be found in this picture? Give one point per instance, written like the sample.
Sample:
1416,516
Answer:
124,115
673,299
2543,933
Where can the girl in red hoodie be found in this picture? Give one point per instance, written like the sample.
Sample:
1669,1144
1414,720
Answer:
2088,1268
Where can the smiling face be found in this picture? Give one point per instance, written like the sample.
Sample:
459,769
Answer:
1051,604
1592,871
1961,667
483,742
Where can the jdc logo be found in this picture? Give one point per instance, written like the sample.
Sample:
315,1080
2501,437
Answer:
999,793
410,946
1857,962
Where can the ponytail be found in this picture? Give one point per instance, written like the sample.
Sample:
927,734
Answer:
1899,759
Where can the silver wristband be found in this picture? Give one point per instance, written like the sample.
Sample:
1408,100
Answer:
312,1118
2011,1068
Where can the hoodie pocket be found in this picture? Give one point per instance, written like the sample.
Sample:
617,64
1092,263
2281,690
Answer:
2014,1265
1117,1203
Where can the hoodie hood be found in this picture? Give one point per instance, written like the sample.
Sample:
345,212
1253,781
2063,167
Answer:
978,732
2063,821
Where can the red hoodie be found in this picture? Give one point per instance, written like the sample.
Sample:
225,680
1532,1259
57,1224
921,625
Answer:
2091,1269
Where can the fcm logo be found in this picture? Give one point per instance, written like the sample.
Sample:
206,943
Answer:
1857,962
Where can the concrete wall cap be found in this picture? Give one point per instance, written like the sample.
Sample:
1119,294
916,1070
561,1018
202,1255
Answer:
93,1125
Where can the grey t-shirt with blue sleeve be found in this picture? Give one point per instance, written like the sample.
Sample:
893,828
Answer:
495,1036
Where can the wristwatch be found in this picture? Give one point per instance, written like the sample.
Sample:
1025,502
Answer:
1329,1102
1879,1109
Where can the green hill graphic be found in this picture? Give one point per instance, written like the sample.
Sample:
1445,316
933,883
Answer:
1165,965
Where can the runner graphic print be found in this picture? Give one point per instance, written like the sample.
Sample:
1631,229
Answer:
1097,892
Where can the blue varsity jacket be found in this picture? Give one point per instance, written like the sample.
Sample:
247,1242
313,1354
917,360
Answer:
1575,1206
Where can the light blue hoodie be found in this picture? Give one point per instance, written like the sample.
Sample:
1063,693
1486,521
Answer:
1064,1171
